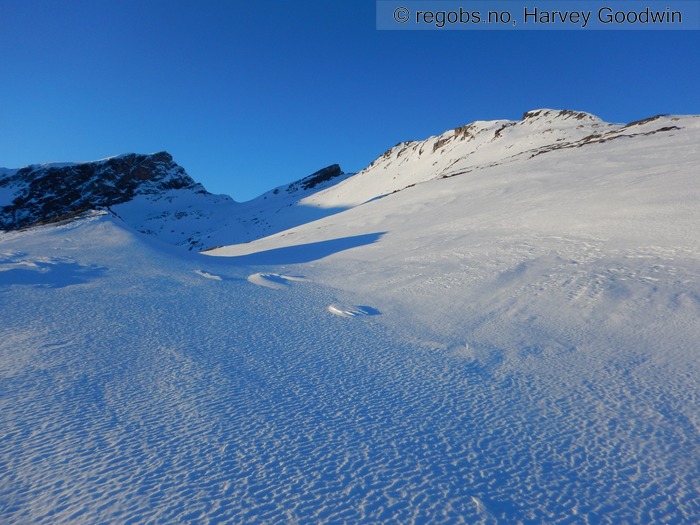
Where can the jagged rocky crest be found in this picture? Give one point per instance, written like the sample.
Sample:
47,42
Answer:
50,192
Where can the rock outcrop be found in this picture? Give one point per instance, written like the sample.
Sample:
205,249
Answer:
46,193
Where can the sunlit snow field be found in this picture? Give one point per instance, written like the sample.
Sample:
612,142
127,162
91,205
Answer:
514,345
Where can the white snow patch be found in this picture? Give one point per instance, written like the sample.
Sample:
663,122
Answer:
208,275
344,310
272,280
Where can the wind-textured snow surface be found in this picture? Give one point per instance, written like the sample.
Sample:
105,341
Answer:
511,340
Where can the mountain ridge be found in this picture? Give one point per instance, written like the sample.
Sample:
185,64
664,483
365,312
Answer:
49,192
157,197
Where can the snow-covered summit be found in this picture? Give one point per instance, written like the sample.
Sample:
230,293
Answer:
459,150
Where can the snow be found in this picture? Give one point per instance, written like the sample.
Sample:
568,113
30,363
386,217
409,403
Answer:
198,220
344,310
6,193
272,280
456,151
208,275
514,344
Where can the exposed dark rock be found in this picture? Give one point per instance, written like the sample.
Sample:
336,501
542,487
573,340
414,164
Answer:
661,130
439,143
48,193
644,121
564,114
465,132
316,178
499,131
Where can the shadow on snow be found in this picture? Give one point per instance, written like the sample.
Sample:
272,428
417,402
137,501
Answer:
303,253
51,275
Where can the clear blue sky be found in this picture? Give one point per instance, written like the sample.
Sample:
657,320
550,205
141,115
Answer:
248,95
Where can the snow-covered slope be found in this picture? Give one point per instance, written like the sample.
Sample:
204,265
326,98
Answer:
567,280
478,145
511,339
274,211
156,196
199,220
602,219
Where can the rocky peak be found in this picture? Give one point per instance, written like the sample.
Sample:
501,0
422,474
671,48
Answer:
49,192
316,179
322,175
552,115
